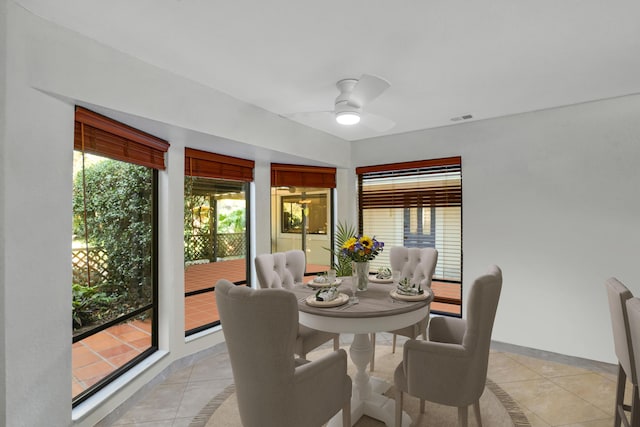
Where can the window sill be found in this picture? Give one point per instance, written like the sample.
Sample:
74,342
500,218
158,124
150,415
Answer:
87,407
194,337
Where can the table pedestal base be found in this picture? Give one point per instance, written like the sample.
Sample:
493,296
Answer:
367,396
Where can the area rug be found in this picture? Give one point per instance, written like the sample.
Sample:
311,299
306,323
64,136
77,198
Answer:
497,408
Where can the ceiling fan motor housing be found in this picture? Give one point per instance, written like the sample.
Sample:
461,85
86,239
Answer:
345,86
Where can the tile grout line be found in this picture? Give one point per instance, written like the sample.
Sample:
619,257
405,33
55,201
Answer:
551,379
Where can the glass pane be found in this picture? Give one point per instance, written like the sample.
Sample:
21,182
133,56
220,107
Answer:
301,219
112,261
426,221
215,246
200,309
95,357
112,242
413,220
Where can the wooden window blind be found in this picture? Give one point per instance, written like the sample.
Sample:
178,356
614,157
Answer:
210,165
283,175
102,136
411,184
415,204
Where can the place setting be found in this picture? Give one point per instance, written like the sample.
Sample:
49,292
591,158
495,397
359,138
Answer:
384,276
326,279
327,294
327,297
407,291
404,289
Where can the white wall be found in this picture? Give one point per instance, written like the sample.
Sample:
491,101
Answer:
49,69
37,268
262,217
3,178
553,198
346,199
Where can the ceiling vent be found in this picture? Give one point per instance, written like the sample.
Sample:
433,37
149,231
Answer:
459,118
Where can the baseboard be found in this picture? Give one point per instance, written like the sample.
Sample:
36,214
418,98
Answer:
579,362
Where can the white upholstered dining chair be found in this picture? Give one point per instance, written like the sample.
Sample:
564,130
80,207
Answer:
273,388
618,296
285,270
417,264
451,367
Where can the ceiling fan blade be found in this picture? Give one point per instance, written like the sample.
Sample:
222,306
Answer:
308,115
377,123
368,88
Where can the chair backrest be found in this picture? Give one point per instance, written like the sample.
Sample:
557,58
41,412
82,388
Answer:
460,378
618,295
633,311
260,329
419,264
482,304
281,269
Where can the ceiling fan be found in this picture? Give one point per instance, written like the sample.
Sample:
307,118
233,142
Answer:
354,95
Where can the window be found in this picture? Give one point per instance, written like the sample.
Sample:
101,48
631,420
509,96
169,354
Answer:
308,211
215,231
114,252
302,213
418,204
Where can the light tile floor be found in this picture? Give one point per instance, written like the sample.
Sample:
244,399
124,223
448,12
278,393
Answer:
570,394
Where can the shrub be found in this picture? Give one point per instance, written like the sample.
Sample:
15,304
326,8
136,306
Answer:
118,220
91,304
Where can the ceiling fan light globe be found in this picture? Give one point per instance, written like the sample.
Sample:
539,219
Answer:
347,118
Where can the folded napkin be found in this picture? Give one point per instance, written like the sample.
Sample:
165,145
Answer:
406,288
383,273
320,279
328,294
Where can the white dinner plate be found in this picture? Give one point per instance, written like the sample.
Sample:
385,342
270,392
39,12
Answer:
316,285
374,279
339,300
418,297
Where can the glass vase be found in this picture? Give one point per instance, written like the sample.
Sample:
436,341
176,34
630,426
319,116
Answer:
361,274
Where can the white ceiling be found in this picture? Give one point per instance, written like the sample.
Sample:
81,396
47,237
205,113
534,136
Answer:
443,58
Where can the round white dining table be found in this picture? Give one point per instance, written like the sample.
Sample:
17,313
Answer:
376,311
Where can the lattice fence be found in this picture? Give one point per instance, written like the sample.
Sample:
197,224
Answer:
97,260
232,244
200,246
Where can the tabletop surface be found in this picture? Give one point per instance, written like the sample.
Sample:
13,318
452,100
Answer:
374,302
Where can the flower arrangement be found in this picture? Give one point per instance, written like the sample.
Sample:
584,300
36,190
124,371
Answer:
361,248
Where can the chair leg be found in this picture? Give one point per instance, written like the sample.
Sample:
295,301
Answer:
476,409
336,343
346,414
393,349
635,408
399,408
619,411
463,416
372,362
